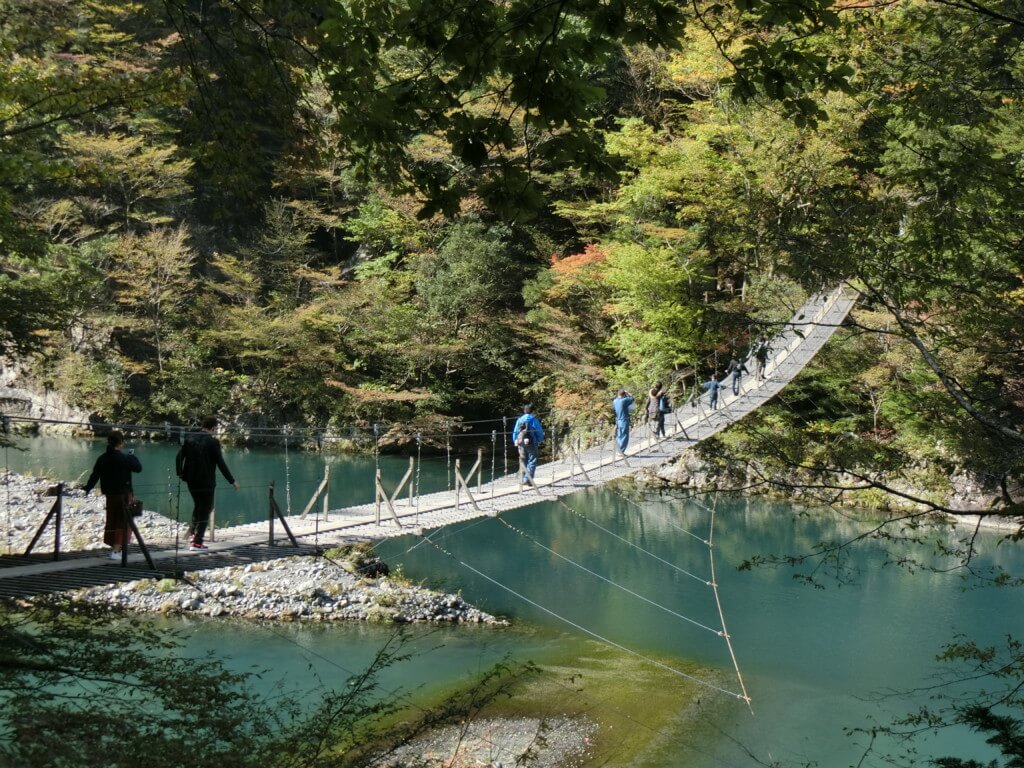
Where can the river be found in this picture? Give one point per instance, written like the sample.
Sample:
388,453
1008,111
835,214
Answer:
812,658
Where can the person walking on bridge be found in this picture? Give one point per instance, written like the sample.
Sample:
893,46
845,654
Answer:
622,405
737,369
197,462
761,351
657,406
113,471
712,386
527,435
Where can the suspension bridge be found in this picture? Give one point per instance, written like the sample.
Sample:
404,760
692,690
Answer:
400,511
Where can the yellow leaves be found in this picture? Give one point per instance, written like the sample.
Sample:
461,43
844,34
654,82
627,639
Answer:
665,233
153,271
368,394
1016,296
699,66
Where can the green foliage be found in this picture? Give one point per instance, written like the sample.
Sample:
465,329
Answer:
655,328
475,273
81,686
385,233
199,215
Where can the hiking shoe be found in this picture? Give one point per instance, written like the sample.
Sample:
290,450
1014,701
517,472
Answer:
197,547
114,555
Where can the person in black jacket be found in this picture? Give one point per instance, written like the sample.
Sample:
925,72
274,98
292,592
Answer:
113,471
197,464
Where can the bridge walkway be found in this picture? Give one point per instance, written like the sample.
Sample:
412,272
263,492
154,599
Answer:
801,339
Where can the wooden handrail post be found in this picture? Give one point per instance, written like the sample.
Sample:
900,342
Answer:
412,485
275,511
458,474
382,496
59,506
270,513
378,493
55,512
327,492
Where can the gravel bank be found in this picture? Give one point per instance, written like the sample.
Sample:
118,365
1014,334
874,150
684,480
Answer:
317,589
305,588
501,743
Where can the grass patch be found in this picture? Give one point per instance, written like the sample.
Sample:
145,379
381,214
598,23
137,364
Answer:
642,712
622,693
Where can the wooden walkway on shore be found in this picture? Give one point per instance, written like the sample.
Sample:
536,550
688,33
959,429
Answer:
803,336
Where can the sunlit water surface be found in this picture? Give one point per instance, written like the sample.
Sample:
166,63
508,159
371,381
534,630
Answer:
813,659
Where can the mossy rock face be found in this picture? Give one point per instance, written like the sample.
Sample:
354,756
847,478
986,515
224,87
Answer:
166,585
359,560
378,614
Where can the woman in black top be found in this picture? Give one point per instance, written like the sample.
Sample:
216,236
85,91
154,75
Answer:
113,471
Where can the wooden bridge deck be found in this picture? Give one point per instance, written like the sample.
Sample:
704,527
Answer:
802,338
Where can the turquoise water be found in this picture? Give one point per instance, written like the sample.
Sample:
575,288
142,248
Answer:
295,479
811,658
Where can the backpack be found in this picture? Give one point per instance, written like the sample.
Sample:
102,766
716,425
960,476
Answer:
664,404
524,437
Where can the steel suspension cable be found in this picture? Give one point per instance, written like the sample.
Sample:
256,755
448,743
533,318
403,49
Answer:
607,580
721,615
678,527
7,482
591,633
635,546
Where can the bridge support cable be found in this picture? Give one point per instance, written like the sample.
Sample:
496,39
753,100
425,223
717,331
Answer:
7,482
647,552
401,695
663,518
721,614
591,633
615,584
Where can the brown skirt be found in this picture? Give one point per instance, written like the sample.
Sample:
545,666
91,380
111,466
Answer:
117,520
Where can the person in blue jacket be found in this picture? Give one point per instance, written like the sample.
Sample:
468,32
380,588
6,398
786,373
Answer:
527,435
712,386
622,404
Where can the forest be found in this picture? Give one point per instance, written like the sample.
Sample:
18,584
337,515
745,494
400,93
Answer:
335,213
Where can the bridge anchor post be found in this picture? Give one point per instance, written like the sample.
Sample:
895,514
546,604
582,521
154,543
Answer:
463,482
383,497
54,514
275,511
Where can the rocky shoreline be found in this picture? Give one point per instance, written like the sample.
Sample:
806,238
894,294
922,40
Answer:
691,472
558,742
345,585
293,588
